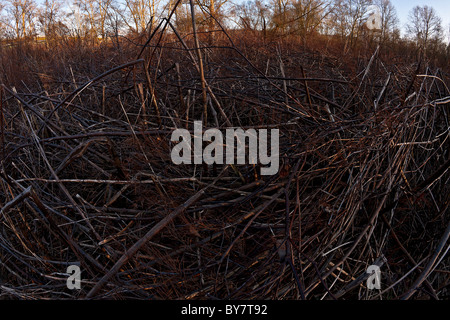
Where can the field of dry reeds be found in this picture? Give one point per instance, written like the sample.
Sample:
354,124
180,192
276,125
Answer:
86,175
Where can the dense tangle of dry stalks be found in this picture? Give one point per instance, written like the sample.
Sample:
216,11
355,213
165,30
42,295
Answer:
86,177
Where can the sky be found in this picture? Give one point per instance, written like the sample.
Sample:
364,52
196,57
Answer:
442,8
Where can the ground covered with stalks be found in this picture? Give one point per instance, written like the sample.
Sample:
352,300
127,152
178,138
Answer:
87,178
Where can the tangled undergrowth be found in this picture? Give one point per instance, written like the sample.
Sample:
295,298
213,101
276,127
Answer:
87,178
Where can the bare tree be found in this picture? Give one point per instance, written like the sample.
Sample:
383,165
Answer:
307,16
183,19
389,19
104,6
346,19
251,15
2,22
115,19
21,14
2,6
95,14
49,18
357,10
337,22
424,26
142,13
212,10
280,12
87,15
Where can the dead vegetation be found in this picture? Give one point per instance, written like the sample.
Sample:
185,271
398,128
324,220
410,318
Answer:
86,175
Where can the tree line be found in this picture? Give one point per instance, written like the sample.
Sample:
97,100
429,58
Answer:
100,19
